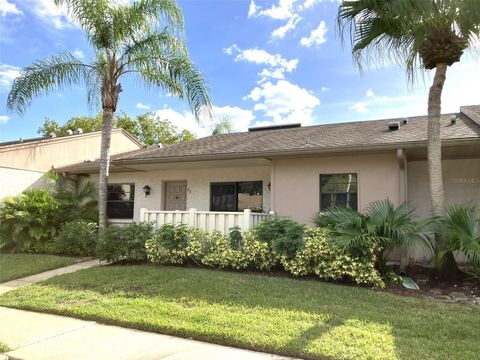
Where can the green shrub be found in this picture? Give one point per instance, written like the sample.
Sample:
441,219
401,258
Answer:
285,236
76,238
235,236
257,254
28,221
330,263
175,244
124,242
218,252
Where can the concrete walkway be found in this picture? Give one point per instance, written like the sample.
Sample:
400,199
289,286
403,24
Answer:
46,275
44,336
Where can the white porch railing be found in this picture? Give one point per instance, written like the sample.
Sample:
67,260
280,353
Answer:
205,220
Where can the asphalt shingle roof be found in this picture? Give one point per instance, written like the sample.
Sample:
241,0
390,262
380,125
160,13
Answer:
320,138
330,136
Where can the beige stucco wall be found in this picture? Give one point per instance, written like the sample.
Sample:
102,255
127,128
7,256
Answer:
461,178
14,181
297,181
22,166
198,184
41,156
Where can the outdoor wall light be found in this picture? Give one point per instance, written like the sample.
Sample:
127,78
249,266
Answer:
146,190
269,186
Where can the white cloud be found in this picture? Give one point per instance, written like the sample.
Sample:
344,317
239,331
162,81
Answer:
252,9
279,33
282,11
8,8
8,73
50,13
276,64
317,36
58,16
79,54
240,119
284,102
142,106
369,93
324,89
361,107
4,119
182,120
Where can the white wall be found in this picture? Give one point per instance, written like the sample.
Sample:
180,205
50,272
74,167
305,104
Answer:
198,184
15,181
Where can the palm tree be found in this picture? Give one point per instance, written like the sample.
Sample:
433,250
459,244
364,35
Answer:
144,40
430,33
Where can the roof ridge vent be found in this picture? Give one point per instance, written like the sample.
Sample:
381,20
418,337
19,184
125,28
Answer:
274,127
453,118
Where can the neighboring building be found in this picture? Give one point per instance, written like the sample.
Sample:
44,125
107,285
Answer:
297,171
23,163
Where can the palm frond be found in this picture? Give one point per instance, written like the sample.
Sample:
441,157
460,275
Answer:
176,74
461,227
46,75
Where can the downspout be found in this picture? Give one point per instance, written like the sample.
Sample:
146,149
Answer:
402,167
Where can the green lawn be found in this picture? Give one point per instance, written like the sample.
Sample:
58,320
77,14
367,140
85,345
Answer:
15,266
286,316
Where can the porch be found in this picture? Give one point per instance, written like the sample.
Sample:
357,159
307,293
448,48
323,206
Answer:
205,220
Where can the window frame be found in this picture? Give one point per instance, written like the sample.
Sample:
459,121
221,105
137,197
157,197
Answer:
327,192
236,183
132,191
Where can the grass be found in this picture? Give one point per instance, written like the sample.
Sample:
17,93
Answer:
15,266
308,319
4,348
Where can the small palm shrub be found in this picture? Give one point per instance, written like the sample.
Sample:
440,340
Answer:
460,227
127,243
76,238
284,235
29,221
77,197
383,226
331,263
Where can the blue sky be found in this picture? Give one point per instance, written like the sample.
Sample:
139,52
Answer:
267,62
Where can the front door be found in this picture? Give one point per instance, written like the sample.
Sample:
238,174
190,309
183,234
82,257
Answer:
176,195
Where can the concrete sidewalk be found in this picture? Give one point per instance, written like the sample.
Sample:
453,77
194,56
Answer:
44,336
32,279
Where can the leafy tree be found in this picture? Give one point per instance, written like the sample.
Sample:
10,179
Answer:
146,127
86,123
429,33
143,40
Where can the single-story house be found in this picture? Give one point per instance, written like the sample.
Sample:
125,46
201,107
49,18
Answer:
23,163
294,171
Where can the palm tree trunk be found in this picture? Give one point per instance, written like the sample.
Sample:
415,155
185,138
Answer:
435,142
446,266
107,125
